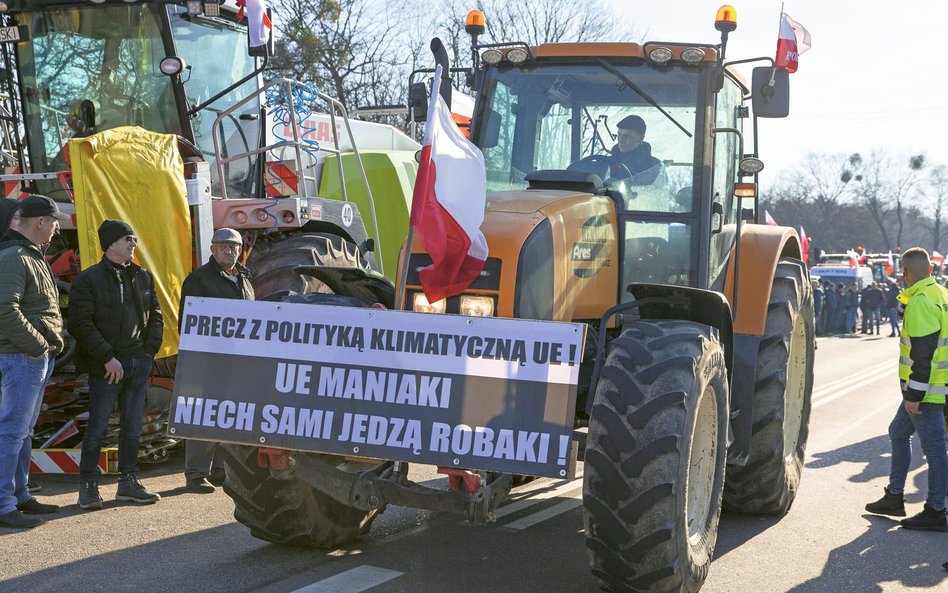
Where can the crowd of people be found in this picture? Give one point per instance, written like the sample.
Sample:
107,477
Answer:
116,320
839,309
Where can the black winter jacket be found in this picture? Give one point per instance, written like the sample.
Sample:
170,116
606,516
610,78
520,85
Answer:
95,302
210,281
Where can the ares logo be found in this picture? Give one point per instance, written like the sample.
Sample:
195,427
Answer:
586,251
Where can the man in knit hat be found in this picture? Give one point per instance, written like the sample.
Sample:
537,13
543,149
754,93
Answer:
116,321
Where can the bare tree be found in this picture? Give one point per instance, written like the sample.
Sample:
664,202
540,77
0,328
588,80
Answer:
936,187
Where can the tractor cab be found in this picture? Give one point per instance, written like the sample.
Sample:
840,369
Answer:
88,67
555,119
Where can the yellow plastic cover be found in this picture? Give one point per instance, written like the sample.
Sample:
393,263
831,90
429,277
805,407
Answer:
134,175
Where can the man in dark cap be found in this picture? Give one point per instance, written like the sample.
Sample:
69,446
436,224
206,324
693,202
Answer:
221,277
632,151
116,320
30,338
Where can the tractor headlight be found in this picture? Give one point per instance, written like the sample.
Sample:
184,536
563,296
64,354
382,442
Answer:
477,306
421,304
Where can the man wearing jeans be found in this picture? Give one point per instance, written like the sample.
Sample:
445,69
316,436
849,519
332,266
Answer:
116,321
30,337
923,370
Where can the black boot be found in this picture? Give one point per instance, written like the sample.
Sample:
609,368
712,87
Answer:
928,520
889,504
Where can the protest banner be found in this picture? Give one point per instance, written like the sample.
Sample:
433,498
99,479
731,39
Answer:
469,392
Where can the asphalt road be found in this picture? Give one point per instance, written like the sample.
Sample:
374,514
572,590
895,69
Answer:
827,543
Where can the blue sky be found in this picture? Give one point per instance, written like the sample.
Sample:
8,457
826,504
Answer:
874,79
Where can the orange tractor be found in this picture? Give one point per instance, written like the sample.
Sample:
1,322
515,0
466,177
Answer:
695,389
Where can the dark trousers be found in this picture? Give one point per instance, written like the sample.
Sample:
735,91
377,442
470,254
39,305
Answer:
130,395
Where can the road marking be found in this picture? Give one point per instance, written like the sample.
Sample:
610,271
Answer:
361,578
820,399
547,513
514,507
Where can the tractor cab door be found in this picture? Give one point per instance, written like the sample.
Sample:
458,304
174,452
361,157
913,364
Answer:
724,174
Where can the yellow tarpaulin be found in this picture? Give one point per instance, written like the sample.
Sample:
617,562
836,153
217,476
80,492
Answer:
137,176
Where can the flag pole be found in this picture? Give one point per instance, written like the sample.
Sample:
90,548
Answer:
403,269
773,73
402,276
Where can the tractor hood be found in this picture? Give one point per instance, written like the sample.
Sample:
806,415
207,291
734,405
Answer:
527,201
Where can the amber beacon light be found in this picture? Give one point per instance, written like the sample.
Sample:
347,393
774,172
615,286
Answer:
726,19
475,24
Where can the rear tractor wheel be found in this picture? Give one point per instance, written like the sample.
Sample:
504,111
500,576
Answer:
768,483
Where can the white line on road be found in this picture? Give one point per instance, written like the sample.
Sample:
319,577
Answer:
824,396
527,502
547,513
358,579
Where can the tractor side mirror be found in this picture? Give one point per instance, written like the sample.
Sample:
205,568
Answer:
418,101
770,91
490,130
717,217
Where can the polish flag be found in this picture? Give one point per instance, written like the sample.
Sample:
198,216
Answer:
804,244
259,26
448,203
768,219
890,265
792,41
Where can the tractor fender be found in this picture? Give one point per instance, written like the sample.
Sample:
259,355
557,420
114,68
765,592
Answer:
762,246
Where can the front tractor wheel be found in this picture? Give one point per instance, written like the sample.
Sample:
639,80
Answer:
287,510
768,483
654,468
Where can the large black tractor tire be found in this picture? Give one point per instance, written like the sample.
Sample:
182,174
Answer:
654,468
768,483
287,510
271,264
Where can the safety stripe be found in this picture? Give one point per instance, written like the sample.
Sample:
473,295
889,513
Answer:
906,361
941,342
935,389
908,342
943,364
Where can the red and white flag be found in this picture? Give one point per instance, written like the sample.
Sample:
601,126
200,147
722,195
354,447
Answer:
768,219
259,26
890,265
792,41
804,244
448,203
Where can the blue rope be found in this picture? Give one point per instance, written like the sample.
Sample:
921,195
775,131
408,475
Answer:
301,96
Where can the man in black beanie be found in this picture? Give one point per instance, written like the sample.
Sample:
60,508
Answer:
632,151
116,320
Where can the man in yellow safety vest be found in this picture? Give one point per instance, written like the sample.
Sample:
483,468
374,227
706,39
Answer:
923,371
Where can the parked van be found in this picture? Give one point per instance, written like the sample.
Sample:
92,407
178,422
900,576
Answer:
862,275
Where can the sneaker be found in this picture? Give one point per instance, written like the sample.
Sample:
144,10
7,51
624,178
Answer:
200,485
35,507
928,520
889,504
33,487
131,489
89,495
17,520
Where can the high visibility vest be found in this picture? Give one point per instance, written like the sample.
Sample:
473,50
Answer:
926,312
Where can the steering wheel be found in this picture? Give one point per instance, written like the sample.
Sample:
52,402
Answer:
602,165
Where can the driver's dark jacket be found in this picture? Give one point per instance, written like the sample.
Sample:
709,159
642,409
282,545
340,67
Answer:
640,163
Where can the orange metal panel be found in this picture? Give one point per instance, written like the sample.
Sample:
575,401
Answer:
761,249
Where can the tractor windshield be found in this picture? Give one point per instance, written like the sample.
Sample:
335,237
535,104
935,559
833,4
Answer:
89,69
570,116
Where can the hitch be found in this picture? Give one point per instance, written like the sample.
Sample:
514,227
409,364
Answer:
461,478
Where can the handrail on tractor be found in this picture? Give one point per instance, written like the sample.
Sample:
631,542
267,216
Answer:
335,107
